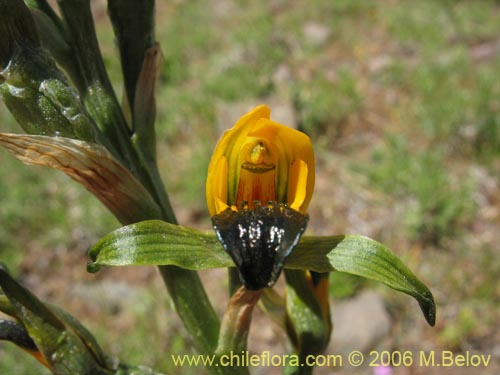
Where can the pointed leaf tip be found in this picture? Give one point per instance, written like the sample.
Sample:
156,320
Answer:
428,307
93,267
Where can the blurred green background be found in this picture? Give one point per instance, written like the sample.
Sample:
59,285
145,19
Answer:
402,101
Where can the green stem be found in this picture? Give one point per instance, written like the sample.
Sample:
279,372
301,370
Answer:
133,23
187,292
236,324
184,286
306,325
193,307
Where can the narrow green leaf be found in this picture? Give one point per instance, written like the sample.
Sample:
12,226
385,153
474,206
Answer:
365,257
16,29
32,86
21,297
81,331
133,23
80,32
84,335
273,305
156,242
45,7
6,306
160,243
62,350
53,37
53,336
306,325
17,334
94,84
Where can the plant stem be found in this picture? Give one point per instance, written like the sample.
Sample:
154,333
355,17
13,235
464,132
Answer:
193,307
235,326
307,326
184,286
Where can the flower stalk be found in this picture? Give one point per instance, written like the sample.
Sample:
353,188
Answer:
236,321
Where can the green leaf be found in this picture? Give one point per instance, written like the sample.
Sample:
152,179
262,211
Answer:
307,326
52,35
365,257
156,242
33,88
159,243
17,334
133,23
45,7
76,18
93,82
16,28
53,336
62,350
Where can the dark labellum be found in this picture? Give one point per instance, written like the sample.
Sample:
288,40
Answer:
259,240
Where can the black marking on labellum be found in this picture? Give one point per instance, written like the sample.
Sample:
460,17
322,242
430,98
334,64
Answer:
259,240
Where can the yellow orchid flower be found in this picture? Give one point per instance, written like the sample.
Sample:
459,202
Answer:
260,182
259,159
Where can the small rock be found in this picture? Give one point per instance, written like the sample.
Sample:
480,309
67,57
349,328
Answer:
316,33
281,111
282,75
227,113
359,323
